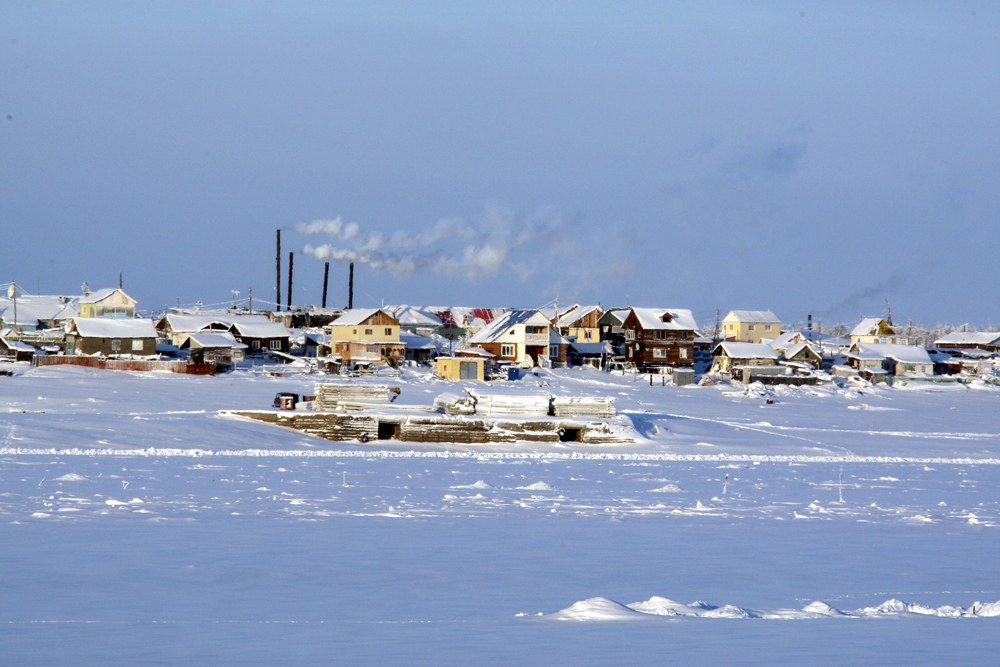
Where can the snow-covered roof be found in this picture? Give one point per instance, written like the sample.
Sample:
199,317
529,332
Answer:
417,342
867,327
575,314
104,327
17,345
222,339
969,338
187,323
356,316
32,308
904,354
740,350
260,329
500,325
410,316
652,318
474,352
752,316
102,294
556,338
462,316
592,348
785,339
795,348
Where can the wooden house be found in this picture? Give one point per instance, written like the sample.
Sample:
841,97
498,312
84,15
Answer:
367,336
610,328
877,331
895,359
110,337
750,326
657,337
259,336
421,349
801,353
15,350
109,303
729,355
580,323
36,312
970,340
222,349
177,327
518,336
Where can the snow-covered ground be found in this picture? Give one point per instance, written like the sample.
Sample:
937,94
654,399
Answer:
138,526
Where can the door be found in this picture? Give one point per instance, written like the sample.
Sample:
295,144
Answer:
467,370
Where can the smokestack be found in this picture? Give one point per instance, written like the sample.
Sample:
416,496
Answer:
810,322
350,289
277,281
290,256
326,280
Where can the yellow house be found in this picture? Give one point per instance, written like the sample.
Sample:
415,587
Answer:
750,326
365,324
460,368
112,303
580,322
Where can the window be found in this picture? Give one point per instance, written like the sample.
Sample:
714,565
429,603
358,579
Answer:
368,332
137,344
630,334
554,351
506,350
767,327
749,327
661,335
659,353
255,344
275,344
116,346
684,353
534,330
388,331
587,335
355,332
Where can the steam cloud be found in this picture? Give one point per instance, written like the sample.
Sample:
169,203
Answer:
453,246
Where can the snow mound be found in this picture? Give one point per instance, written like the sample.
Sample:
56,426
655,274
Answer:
72,477
732,611
597,609
480,484
662,606
820,607
538,486
668,488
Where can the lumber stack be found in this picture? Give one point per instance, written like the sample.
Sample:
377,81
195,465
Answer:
583,406
334,396
512,404
453,404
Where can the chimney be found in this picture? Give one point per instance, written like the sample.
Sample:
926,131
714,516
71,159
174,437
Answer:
277,281
326,280
350,289
810,322
290,255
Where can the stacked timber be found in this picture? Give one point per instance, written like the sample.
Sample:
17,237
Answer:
583,406
453,404
512,404
334,396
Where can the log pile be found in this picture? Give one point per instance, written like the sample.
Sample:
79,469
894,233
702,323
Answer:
335,396
453,404
512,404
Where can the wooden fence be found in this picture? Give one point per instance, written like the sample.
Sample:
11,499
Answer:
125,364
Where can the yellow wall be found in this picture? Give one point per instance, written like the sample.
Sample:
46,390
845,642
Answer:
357,332
741,331
581,334
450,367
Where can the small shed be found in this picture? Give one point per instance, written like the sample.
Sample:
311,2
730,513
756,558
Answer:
221,348
729,354
461,368
15,350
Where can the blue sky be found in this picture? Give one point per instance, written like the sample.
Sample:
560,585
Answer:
802,157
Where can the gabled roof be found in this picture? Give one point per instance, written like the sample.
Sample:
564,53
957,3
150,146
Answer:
739,350
970,338
221,339
105,327
190,323
32,308
795,348
752,316
357,316
102,294
653,318
904,354
260,329
410,316
16,345
500,325
575,314
592,348
870,326
417,342
785,339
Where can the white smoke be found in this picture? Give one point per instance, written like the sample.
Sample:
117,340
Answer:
453,246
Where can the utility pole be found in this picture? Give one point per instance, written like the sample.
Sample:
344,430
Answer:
119,280
277,283
251,301
350,288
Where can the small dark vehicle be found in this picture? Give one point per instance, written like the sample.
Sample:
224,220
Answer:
289,402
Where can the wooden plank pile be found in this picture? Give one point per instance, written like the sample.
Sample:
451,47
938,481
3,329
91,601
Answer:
583,406
512,404
453,404
335,396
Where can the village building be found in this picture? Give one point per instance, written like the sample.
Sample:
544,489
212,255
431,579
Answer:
36,312
421,349
176,327
595,355
730,355
610,328
518,336
970,340
461,368
367,336
658,337
750,326
891,358
558,347
110,337
580,324
416,320
260,336
801,353
15,350
878,331
110,303
317,345
222,349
